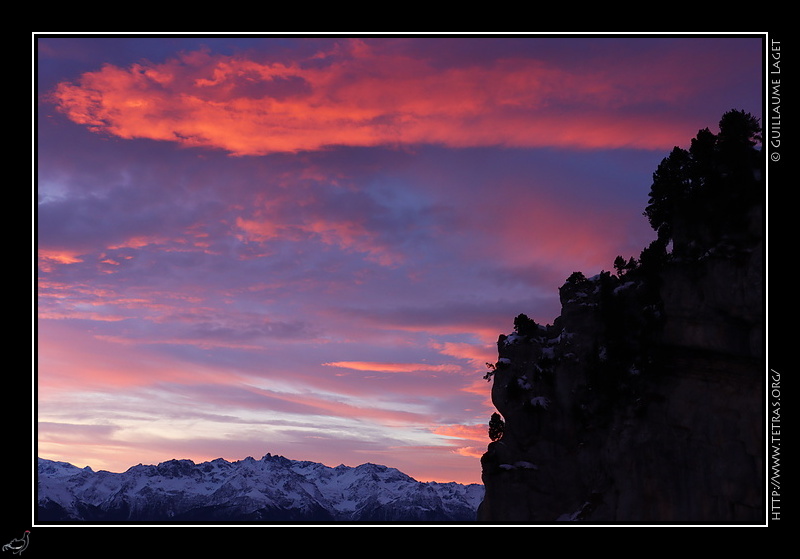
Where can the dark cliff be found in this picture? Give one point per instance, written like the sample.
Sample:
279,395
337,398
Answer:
643,401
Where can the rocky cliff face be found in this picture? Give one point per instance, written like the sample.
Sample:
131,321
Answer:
643,401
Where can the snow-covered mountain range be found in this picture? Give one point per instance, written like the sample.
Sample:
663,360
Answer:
272,489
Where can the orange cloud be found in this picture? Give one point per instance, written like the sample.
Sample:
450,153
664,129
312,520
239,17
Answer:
478,355
468,432
49,259
348,235
358,96
392,367
471,451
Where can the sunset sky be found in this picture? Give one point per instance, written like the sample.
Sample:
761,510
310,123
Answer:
309,246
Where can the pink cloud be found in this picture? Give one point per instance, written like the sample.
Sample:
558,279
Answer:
348,235
476,354
48,259
393,367
361,95
467,432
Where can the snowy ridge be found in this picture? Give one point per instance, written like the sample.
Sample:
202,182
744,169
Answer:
272,489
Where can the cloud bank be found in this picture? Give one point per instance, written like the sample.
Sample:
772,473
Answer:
360,94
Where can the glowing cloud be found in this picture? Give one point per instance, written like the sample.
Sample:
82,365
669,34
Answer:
50,259
359,94
392,367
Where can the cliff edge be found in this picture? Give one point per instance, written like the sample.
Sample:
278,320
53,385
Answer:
643,401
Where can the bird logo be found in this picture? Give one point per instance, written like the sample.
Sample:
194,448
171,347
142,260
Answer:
18,545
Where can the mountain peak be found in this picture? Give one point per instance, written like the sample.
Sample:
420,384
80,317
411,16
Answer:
273,489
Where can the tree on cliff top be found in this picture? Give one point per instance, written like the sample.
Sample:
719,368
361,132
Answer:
702,193
525,326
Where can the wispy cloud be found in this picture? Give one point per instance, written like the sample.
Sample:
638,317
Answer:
393,367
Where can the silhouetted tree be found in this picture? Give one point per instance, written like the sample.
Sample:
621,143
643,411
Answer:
496,427
668,191
700,194
492,368
525,326
576,278
622,267
738,128
740,163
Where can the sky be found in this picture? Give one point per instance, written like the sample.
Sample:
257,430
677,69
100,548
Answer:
308,246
